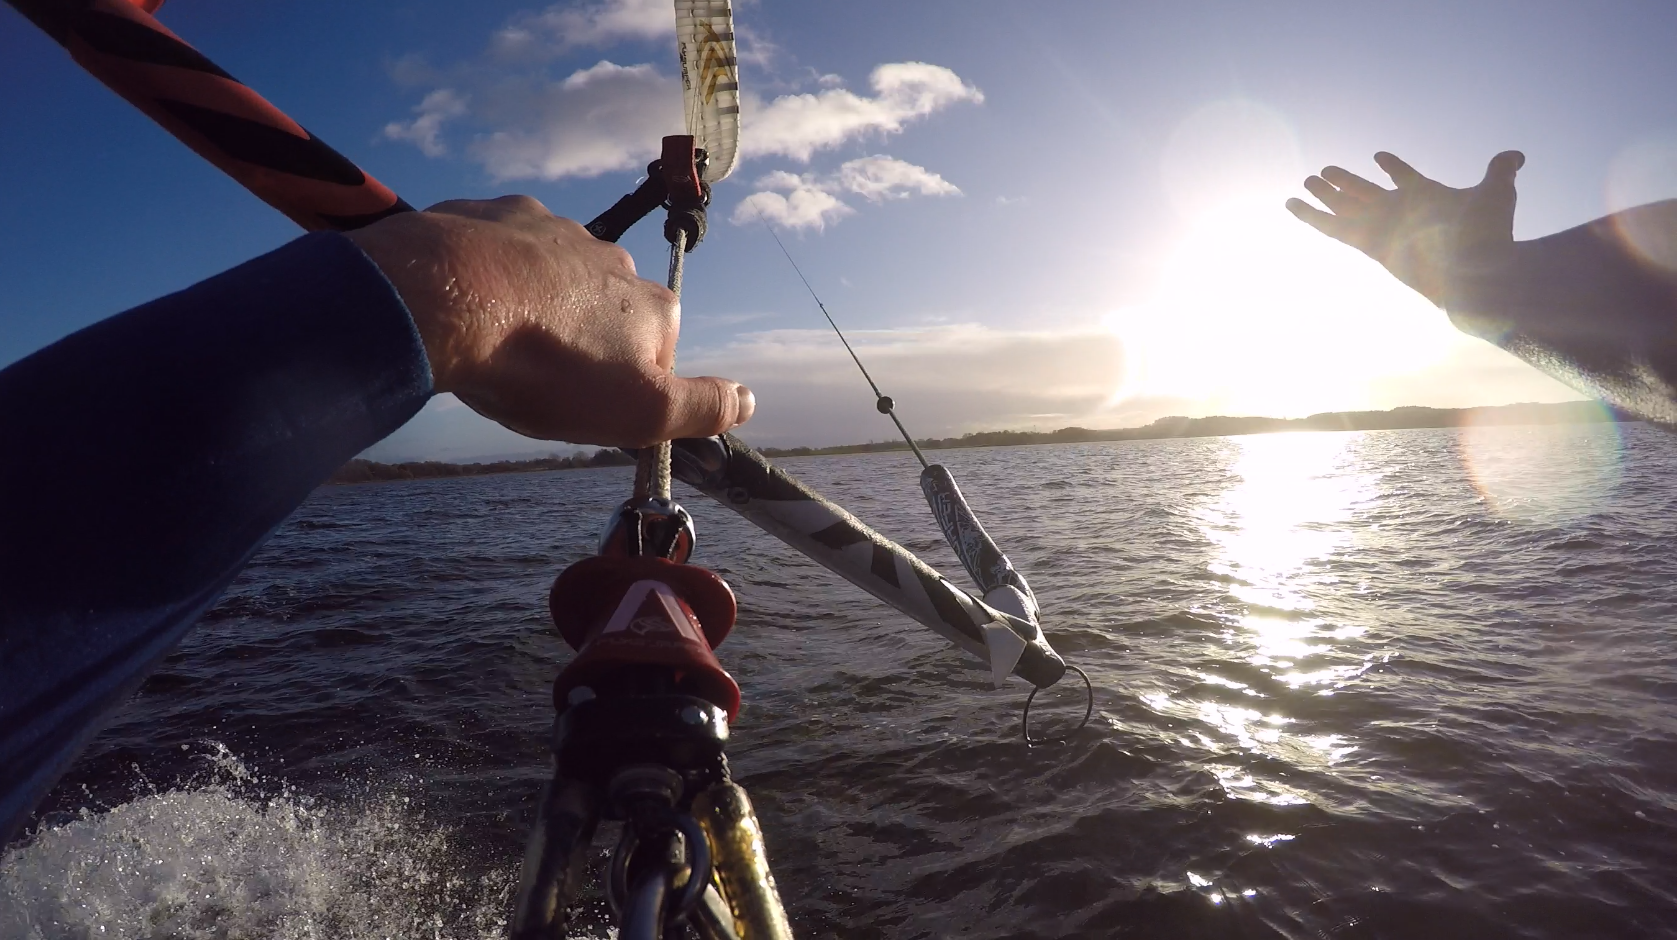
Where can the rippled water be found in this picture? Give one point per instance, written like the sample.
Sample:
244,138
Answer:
1385,684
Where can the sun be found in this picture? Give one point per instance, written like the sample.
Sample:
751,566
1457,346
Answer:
1255,313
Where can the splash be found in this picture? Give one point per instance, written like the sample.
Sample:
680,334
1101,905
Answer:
223,861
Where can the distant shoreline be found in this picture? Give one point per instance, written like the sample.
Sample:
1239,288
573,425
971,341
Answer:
371,471
1397,419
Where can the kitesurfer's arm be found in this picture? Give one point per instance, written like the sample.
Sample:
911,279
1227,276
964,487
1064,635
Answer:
1594,306
144,459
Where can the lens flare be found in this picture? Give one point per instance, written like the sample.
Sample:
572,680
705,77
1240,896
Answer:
1228,149
1543,473
1645,172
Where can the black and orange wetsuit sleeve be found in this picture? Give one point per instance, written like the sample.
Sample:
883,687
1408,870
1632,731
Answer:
143,460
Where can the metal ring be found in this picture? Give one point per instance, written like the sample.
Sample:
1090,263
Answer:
617,875
698,867
1088,712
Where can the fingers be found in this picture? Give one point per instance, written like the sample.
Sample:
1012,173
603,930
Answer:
1330,196
1401,173
703,406
1503,166
1352,184
1325,222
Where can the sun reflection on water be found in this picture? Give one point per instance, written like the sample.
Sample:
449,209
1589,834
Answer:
1285,514
1281,515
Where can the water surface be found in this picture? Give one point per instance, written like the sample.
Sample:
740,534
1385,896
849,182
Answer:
1383,684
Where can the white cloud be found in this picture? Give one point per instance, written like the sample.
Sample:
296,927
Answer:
424,131
599,119
797,126
947,380
562,27
753,48
611,117
523,122
810,200
803,205
879,177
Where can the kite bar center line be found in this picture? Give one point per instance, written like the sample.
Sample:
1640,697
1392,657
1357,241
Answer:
882,401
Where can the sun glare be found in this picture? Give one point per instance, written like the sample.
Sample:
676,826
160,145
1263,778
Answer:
1252,311
1255,313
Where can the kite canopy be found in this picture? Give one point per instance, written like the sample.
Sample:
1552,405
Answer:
704,32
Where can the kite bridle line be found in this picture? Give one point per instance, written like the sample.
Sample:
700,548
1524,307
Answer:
641,726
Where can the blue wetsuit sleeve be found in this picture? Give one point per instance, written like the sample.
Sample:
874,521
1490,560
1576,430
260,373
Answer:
145,458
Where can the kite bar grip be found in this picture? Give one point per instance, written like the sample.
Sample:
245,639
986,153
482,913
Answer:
990,569
730,472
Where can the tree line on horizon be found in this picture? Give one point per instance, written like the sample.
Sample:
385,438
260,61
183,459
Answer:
1407,417
1415,416
371,471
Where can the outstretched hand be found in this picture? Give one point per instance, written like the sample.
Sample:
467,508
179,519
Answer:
1424,232
539,326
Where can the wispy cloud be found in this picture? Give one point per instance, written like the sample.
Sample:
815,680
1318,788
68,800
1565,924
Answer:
425,130
947,379
810,200
567,26
599,119
726,319
797,126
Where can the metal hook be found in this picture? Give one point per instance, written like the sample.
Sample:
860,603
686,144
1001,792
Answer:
1088,712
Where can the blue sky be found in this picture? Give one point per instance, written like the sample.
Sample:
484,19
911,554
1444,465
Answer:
1030,215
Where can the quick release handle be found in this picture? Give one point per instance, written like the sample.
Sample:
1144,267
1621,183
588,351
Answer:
227,123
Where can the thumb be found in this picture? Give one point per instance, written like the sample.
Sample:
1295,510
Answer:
706,405
1491,220
1500,171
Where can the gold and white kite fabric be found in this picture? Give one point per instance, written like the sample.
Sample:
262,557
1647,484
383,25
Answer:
704,31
